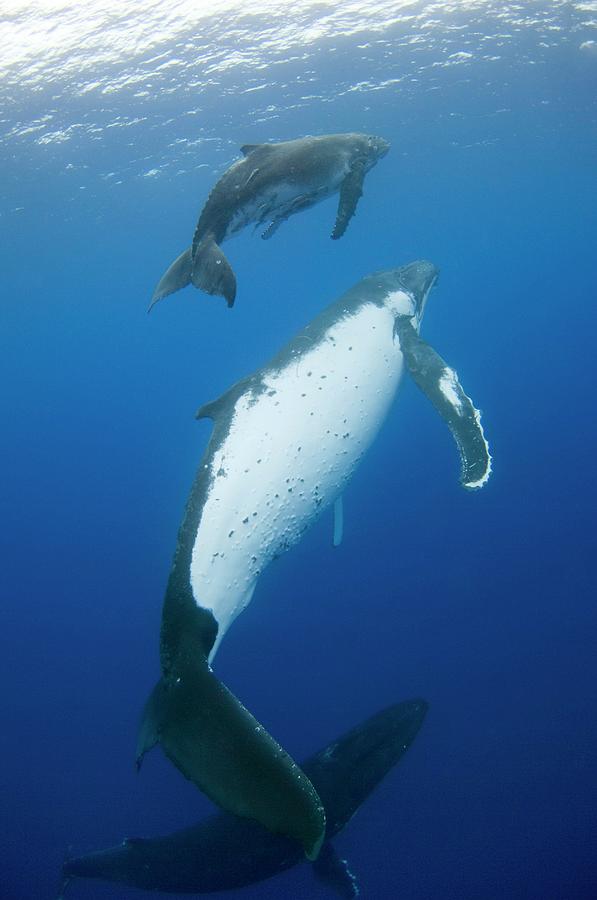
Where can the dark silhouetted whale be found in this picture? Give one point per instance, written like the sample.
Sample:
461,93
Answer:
224,852
285,442
269,185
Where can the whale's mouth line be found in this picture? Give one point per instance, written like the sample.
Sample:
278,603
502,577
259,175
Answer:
418,302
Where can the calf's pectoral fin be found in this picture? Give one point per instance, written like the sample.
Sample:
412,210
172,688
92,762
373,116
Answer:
211,272
351,191
218,745
298,204
440,384
177,276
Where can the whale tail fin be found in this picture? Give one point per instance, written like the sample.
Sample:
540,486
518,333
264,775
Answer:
211,271
218,745
176,276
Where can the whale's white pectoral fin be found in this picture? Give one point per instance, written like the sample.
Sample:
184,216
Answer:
440,384
350,193
338,521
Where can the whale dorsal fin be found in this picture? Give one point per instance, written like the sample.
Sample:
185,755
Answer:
440,384
247,149
222,404
210,410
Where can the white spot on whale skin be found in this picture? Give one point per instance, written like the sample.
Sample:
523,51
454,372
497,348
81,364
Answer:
448,385
401,303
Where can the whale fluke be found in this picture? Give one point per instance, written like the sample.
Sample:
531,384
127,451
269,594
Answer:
440,384
218,745
64,885
211,272
223,853
333,871
176,276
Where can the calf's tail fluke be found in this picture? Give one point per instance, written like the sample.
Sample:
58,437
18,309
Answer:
218,745
205,266
211,271
177,276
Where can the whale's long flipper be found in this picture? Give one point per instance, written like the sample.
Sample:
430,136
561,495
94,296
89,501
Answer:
217,744
177,276
440,384
211,272
350,194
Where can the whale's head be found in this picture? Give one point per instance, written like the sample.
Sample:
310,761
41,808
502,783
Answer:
377,147
417,278
366,147
405,290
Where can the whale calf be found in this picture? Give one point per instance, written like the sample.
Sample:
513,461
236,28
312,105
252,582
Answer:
285,442
270,184
224,852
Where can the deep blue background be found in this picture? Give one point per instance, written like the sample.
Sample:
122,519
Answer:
484,603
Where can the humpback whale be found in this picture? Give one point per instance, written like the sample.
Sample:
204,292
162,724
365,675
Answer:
285,442
224,852
270,184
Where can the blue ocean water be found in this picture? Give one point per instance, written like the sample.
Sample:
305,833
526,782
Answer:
115,123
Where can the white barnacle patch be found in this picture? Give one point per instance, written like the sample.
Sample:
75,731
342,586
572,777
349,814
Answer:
450,388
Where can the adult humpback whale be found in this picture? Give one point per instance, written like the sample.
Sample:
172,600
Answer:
269,185
285,442
224,852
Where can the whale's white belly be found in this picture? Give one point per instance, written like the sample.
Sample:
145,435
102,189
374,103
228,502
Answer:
288,454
